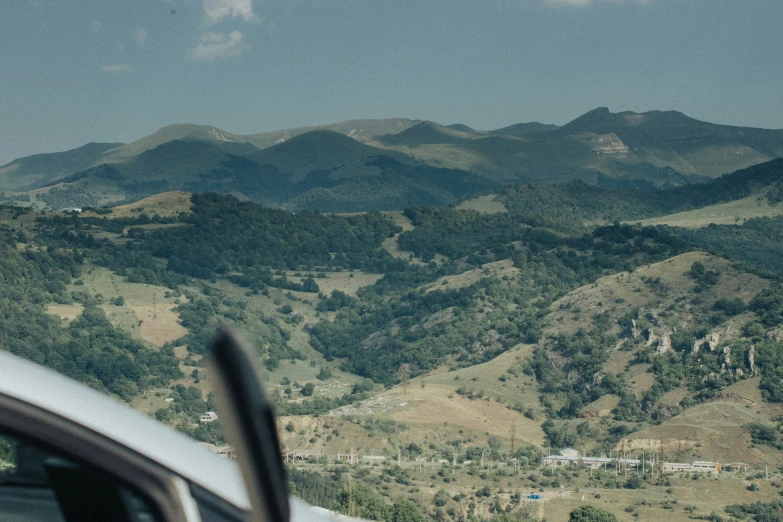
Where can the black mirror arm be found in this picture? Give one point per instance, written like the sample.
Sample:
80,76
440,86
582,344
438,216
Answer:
250,424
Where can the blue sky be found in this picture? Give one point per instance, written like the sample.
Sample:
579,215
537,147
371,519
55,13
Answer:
73,72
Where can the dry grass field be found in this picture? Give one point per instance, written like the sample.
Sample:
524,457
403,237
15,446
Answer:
485,204
430,403
67,312
625,291
701,498
731,213
497,269
716,430
147,313
345,281
165,204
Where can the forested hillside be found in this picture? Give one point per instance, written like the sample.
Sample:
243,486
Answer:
576,202
88,349
582,334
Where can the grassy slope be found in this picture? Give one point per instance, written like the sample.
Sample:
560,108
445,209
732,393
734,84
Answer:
43,168
731,213
165,204
485,204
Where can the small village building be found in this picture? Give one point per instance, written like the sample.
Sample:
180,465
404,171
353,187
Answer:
302,454
376,458
209,416
737,466
351,457
699,466
571,457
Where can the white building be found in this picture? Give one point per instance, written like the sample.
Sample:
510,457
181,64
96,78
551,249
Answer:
209,416
699,466
569,456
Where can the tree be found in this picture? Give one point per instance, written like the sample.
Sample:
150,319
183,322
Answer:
405,511
308,389
324,375
634,482
591,514
494,444
441,498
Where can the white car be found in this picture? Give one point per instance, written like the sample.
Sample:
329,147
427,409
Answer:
69,453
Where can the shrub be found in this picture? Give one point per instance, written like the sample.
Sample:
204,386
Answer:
591,514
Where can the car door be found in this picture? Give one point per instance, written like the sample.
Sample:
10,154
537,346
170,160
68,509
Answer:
54,468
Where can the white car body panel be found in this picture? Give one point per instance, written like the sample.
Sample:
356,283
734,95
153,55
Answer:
47,390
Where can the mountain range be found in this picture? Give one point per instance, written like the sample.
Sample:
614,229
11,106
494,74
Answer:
391,163
534,317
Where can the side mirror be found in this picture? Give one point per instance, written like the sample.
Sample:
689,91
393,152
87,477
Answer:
249,420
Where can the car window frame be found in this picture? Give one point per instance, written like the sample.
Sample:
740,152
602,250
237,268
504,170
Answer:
168,491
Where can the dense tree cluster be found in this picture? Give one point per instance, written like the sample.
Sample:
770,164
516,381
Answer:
223,235
90,348
760,511
576,202
758,242
395,326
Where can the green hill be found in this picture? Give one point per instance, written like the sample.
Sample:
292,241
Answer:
318,170
391,164
523,129
428,133
324,151
688,145
34,171
240,143
576,201
627,149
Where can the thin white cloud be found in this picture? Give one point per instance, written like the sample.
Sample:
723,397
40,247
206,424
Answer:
141,36
120,45
216,45
216,10
118,68
587,3
96,24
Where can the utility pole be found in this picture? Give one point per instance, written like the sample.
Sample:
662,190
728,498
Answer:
404,370
663,460
513,433
154,305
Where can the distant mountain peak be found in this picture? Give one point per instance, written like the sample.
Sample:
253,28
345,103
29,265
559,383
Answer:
600,118
525,129
429,132
461,127
320,139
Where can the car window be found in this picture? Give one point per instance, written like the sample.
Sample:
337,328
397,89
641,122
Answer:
40,484
214,509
